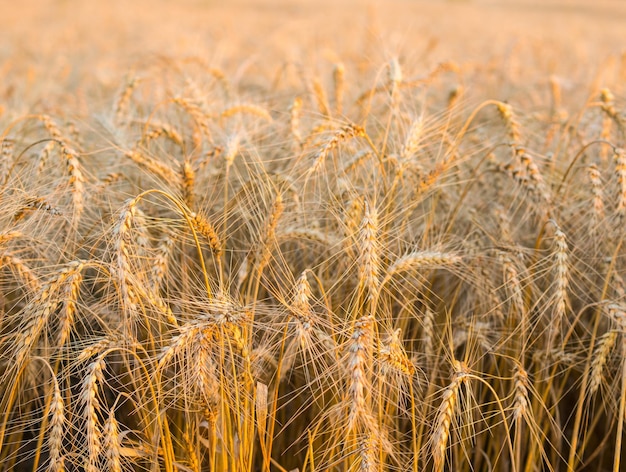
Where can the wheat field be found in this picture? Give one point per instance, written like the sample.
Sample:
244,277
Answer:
271,235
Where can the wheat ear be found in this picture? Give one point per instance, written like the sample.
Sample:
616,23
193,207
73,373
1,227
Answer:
112,443
339,77
445,416
600,357
369,260
358,362
595,179
57,430
417,259
91,407
342,134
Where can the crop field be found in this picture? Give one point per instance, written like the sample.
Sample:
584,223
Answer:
271,235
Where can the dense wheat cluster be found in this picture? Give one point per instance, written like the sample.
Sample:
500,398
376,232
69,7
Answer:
372,241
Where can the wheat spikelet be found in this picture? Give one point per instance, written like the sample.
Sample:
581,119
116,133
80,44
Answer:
122,268
395,79
269,232
520,378
353,216
342,134
358,361
595,179
417,259
607,100
152,166
369,259
618,285
368,454
413,139
428,338
36,203
620,169
112,443
10,235
76,181
393,356
199,117
246,108
108,180
531,177
186,334
304,324
91,406
57,430
44,156
206,229
38,311
52,128
513,284
601,355
192,452
72,290
161,263
206,380
121,104
158,130
231,149
21,269
356,161
321,99
301,305
445,416
295,112
98,347
512,125
339,77
304,234
6,159
188,178
617,313
561,275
